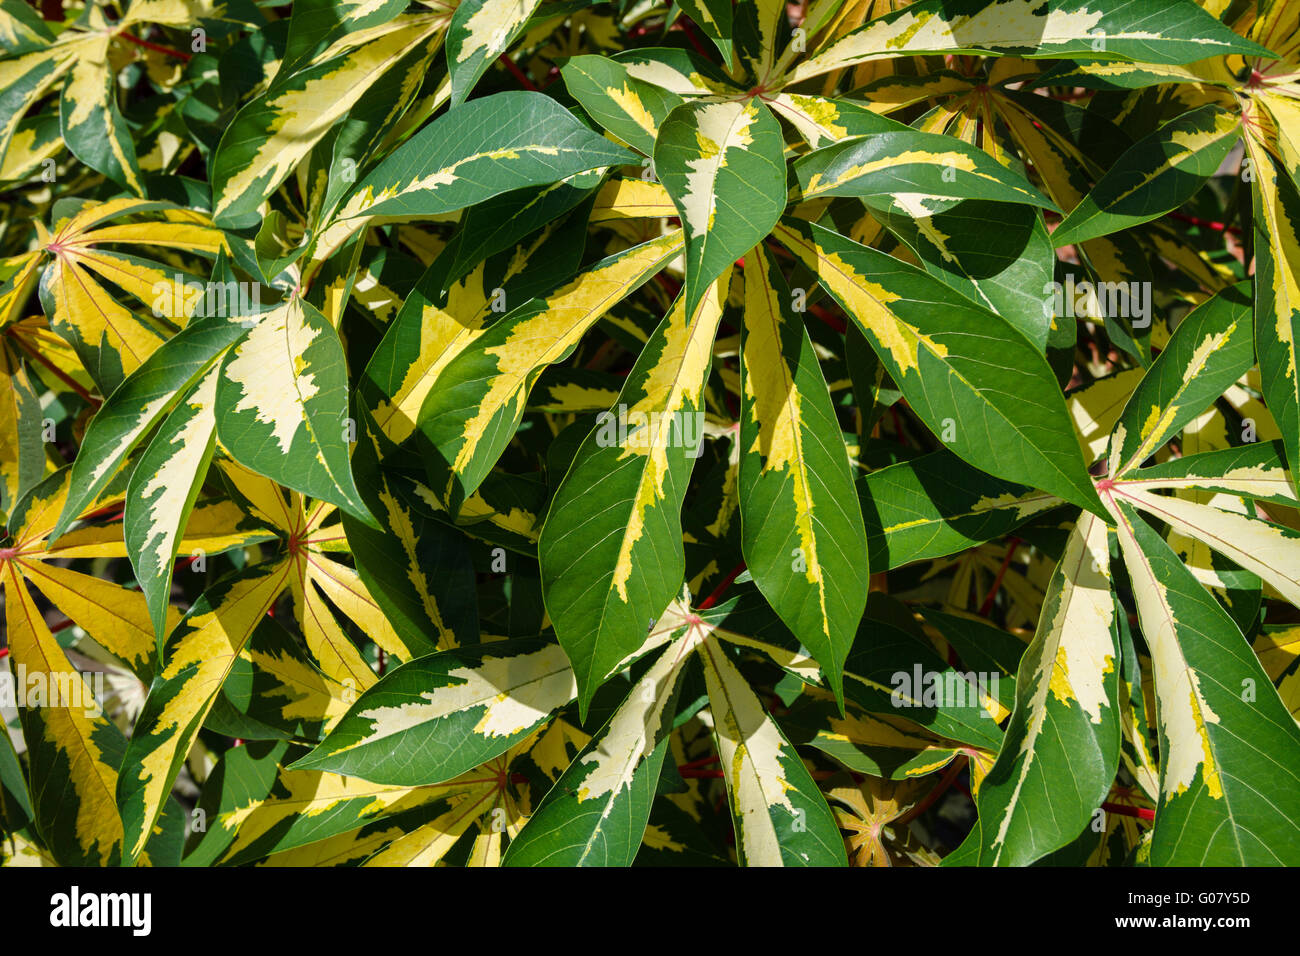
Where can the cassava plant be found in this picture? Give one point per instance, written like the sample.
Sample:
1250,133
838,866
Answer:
538,432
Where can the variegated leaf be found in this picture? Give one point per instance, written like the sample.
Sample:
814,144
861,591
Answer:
943,363
282,405
723,165
606,576
1066,720
439,716
801,531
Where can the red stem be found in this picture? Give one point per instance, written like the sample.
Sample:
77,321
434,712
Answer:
1012,545
697,764
689,29
1142,813
712,599
156,47
939,790
58,372
518,74
1205,223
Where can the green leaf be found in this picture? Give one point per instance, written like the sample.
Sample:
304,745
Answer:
480,31
800,527
196,660
971,376
1158,31
437,717
162,491
723,165
1004,269
482,149
1276,205
607,574
910,167
1211,348
936,505
271,134
90,122
1065,726
632,110
1159,173
714,18
282,405
1229,789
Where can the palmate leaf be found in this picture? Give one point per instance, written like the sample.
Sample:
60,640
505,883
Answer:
1254,471
1066,722
607,574
74,748
309,538
1157,31
1229,793
275,692
83,55
723,165
1269,550
801,531
973,378
439,716
112,339
306,807
115,617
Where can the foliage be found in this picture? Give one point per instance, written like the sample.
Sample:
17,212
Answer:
534,432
